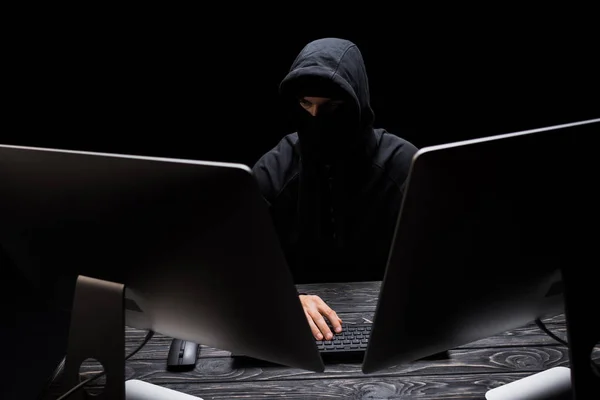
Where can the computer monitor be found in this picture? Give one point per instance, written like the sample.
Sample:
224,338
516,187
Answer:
486,227
191,241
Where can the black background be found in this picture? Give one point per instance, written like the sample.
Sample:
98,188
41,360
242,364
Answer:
203,84
187,89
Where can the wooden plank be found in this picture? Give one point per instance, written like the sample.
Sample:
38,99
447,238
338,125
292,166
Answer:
421,387
472,386
133,334
330,290
361,297
555,323
157,349
557,319
466,361
346,297
530,335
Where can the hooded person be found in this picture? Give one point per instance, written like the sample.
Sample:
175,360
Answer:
335,186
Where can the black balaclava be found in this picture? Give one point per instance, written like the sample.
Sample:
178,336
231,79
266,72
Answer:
332,136
332,147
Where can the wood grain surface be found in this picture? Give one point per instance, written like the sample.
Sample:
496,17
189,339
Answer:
468,371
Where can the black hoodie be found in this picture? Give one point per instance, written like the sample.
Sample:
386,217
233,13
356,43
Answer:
334,187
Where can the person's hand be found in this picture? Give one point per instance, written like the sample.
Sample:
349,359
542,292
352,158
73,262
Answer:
315,309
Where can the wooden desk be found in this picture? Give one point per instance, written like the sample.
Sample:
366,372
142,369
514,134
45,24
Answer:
471,370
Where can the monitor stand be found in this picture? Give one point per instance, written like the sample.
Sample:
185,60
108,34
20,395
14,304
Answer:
579,381
583,324
97,331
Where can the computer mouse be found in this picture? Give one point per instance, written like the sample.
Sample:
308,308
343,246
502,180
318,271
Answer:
183,355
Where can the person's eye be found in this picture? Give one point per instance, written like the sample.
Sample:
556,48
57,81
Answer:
331,107
305,103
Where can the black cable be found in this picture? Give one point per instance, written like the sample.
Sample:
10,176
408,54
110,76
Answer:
61,366
547,331
57,371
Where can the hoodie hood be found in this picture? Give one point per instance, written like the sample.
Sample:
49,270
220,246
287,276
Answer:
331,68
334,63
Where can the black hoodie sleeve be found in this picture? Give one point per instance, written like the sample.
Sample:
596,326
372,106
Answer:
276,168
